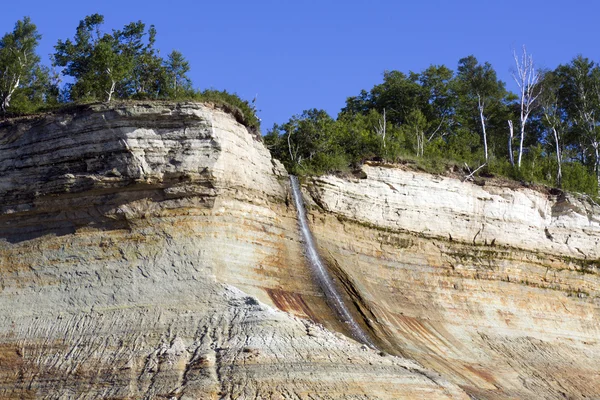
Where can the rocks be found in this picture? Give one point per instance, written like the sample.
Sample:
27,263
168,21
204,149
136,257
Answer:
446,207
496,289
143,248
148,250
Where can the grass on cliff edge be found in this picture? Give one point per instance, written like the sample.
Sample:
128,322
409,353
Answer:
583,186
231,103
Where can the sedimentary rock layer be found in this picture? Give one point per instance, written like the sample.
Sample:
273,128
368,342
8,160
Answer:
144,249
495,288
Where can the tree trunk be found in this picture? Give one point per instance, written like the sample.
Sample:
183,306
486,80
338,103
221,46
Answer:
510,140
380,130
384,127
420,142
597,161
111,91
290,146
480,105
523,121
558,158
9,93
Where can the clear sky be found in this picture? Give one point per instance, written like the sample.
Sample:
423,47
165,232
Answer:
298,55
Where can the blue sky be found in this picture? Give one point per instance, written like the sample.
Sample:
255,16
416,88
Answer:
313,54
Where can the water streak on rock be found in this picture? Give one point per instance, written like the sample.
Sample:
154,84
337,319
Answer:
323,278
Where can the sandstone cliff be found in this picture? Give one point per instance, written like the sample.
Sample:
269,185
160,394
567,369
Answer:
151,250
495,288
145,250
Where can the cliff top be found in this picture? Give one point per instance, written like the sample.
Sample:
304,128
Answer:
77,108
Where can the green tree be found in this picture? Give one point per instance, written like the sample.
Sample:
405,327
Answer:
480,93
552,117
108,67
398,95
366,136
104,65
440,100
307,143
579,95
149,73
176,67
124,54
19,64
76,57
38,90
360,104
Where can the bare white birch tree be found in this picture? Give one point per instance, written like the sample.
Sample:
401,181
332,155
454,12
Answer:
113,84
416,122
511,135
554,124
17,59
420,142
552,117
481,108
527,79
479,87
381,128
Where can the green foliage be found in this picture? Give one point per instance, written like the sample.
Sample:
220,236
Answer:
176,68
579,101
106,64
358,138
399,94
482,102
24,83
308,143
578,178
38,92
433,120
242,110
314,143
123,64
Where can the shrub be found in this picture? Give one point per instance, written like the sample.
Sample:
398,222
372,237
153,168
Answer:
242,110
578,178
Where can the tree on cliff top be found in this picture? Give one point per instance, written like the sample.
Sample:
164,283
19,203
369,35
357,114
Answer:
580,98
120,63
479,92
19,64
177,67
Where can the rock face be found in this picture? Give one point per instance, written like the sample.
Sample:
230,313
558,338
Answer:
149,250
496,289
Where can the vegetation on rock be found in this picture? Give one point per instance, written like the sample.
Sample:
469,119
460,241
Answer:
100,66
547,133
24,82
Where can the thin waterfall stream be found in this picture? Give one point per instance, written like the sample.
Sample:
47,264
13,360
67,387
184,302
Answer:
318,267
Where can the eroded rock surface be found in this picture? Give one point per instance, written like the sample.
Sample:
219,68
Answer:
497,289
144,249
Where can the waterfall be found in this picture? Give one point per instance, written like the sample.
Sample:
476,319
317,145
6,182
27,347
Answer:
320,272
